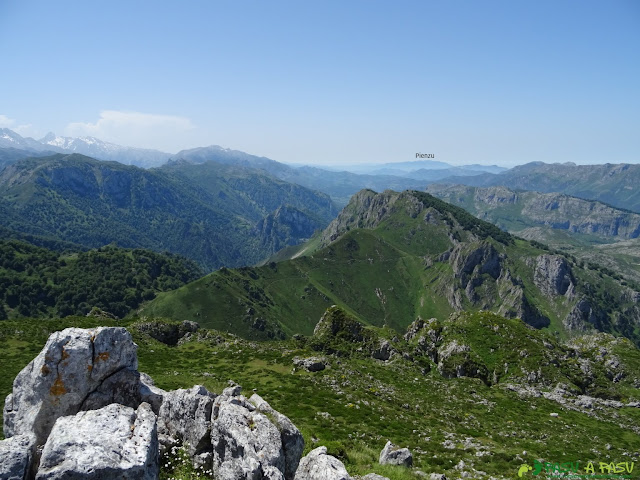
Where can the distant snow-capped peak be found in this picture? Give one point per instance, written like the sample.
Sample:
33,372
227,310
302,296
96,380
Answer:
70,143
94,147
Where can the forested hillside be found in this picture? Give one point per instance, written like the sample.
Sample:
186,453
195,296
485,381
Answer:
211,214
37,282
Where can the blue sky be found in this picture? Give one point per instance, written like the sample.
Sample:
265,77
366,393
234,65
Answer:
331,82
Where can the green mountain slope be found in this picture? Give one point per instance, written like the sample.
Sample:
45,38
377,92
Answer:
613,184
393,257
215,220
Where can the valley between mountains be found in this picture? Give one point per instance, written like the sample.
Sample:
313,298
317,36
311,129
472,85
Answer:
495,329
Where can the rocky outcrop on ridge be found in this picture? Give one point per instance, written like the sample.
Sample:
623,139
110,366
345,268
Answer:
292,441
310,364
168,333
483,278
552,275
81,409
394,455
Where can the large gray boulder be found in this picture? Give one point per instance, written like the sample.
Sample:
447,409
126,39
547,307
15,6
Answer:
290,436
114,442
393,455
15,456
317,465
185,416
311,364
73,365
246,445
384,351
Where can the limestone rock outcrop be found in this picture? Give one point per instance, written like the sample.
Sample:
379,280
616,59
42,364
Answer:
393,455
384,351
15,457
121,443
168,333
73,364
185,417
290,436
81,410
552,275
318,465
310,364
246,445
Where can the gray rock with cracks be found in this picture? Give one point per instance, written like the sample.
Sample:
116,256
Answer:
317,465
15,456
393,455
114,442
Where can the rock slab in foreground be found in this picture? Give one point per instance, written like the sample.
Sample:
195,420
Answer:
112,443
246,445
15,456
185,415
317,465
290,436
393,455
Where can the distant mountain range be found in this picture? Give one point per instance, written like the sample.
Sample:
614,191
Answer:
615,184
214,214
518,210
90,146
429,170
339,185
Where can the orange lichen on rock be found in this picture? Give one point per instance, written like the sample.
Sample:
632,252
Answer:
58,388
89,367
103,356
45,370
64,354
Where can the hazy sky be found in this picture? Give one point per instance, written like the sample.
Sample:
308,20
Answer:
331,82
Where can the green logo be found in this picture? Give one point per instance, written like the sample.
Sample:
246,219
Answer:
610,470
524,469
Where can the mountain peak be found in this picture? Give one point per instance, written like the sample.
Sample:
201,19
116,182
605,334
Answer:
49,137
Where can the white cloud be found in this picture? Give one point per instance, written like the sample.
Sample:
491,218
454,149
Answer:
135,129
6,122
22,130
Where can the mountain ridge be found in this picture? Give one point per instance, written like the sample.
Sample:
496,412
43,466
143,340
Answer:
528,208
389,258
94,203
614,184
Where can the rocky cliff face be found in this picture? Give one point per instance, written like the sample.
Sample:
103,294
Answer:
81,410
286,226
522,209
610,183
552,275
